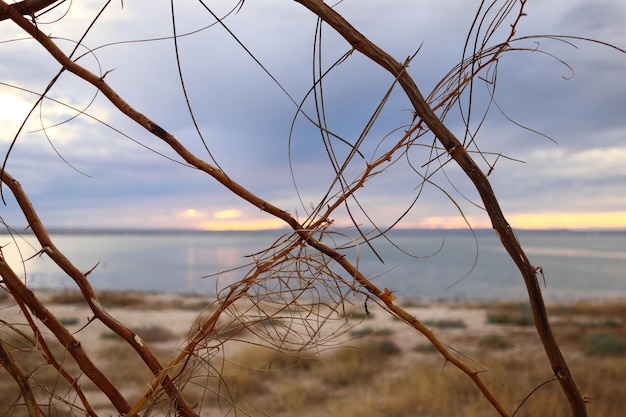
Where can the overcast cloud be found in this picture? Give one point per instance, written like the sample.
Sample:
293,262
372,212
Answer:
106,179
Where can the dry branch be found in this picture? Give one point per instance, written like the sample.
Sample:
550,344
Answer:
305,236
479,179
9,363
302,237
18,289
27,7
51,360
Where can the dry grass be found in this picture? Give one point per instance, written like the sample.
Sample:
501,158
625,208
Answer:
107,298
373,376
124,366
365,381
368,380
286,383
155,334
125,299
518,314
45,379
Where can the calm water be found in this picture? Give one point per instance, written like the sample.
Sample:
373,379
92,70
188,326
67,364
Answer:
446,264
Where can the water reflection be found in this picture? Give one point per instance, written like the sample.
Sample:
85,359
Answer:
191,266
155,262
205,262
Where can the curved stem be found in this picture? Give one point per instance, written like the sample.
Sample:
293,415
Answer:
27,7
481,183
45,351
7,361
423,110
269,208
92,299
67,340
245,194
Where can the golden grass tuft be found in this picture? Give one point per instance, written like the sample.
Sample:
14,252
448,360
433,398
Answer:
44,378
372,376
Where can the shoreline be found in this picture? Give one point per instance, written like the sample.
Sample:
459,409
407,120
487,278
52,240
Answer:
177,313
490,334
47,293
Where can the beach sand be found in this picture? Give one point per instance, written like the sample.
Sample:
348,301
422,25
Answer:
169,320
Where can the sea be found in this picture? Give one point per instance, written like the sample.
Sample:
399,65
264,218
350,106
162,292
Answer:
455,265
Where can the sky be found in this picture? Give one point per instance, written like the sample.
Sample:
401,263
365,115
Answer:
557,135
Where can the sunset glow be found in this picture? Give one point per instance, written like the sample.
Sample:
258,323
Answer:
252,224
227,214
600,220
534,221
557,163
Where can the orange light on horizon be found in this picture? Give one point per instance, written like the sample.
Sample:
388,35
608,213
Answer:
234,220
535,221
243,225
594,220
227,214
442,222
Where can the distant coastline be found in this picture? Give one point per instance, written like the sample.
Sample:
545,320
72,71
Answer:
177,260
164,231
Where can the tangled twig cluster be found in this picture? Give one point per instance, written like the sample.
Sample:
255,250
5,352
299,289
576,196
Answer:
291,291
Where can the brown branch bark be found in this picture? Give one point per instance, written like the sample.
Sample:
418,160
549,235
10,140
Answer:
27,7
449,141
92,300
237,291
480,181
388,299
144,121
8,362
45,351
71,344
245,194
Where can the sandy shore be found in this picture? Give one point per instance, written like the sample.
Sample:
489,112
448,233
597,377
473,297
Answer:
455,323
458,324
166,321
175,315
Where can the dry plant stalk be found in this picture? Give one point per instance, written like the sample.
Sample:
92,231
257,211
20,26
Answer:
27,7
297,272
19,290
9,363
456,150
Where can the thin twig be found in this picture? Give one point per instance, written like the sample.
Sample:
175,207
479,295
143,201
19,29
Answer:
27,7
9,363
90,296
482,184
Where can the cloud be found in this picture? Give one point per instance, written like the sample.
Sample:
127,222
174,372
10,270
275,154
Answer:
595,18
227,214
14,108
105,178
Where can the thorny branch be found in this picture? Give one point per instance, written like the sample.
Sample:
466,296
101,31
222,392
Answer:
307,235
51,360
16,286
9,363
304,235
27,7
472,170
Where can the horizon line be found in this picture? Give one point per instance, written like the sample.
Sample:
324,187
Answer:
155,230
